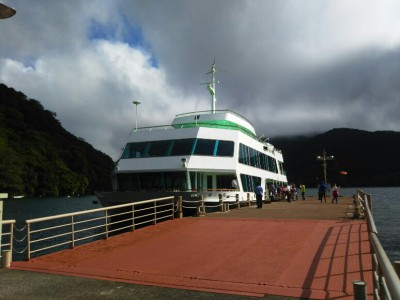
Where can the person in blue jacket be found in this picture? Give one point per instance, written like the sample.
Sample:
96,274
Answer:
259,194
322,191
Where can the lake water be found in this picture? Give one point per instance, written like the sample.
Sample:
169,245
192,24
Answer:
385,207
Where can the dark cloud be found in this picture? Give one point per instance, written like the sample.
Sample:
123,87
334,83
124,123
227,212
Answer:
290,67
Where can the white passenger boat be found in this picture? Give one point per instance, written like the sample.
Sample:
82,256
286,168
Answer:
208,153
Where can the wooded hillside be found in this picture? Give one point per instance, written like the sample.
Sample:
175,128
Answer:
369,158
38,157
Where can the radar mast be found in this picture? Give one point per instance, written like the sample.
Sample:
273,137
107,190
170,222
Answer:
211,87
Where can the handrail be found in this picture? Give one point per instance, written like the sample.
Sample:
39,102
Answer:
70,228
210,112
386,280
10,234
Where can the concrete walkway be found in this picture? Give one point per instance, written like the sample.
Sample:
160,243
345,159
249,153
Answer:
302,249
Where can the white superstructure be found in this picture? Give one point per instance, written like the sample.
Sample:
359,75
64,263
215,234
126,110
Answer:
199,153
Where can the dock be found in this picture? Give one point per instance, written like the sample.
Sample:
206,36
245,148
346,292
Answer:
304,249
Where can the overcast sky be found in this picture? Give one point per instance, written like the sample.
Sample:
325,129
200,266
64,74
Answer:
291,67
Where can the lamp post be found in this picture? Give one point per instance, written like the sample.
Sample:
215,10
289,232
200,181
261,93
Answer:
136,102
324,158
6,11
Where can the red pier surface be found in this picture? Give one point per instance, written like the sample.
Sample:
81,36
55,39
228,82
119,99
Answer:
316,259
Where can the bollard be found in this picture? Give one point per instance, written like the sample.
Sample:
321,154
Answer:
180,212
248,200
6,259
202,207
221,204
237,201
360,290
227,206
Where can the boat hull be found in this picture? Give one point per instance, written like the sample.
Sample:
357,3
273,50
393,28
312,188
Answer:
115,198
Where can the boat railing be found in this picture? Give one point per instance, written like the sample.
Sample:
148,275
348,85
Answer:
207,112
6,241
152,128
47,234
385,279
178,126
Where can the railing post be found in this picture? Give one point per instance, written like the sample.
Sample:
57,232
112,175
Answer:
248,200
133,217
360,290
375,274
237,201
11,239
106,222
28,241
173,208
72,233
221,204
155,213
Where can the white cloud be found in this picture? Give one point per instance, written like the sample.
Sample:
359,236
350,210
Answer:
289,66
92,90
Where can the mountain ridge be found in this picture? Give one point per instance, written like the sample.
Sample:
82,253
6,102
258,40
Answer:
39,157
369,158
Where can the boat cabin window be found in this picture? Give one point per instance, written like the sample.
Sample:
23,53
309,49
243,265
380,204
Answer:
159,148
134,150
225,148
254,158
179,147
152,181
182,147
204,147
224,182
281,168
249,182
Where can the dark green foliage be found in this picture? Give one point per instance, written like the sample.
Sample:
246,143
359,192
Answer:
369,158
39,157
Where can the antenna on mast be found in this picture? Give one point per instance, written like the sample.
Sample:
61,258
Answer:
211,87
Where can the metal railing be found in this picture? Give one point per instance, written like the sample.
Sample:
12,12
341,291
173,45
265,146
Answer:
72,229
7,236
385,279
53,233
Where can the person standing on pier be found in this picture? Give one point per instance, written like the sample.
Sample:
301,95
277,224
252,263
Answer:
322,191
303,191
335,194
287,192
259,193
